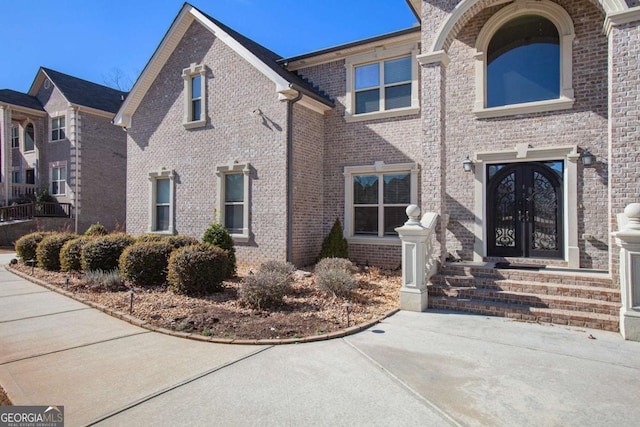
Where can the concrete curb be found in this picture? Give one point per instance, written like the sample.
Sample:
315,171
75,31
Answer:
197,337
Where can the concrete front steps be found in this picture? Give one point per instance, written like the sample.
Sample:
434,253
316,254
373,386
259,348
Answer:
551,295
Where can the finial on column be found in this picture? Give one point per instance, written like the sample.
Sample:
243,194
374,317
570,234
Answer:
632,211
413,212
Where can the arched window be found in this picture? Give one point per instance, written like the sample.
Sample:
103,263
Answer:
29,138
524,60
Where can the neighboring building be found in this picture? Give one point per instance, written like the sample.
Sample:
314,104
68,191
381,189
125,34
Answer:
278,148
59,136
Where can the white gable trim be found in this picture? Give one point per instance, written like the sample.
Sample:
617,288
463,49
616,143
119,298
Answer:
174,36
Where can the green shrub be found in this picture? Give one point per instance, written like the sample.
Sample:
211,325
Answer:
150,237
335,245
26,245
335,276
96,230
145,263
341,264
103,253
197,269
181,240
71,253
265,289
101,280
48,250
218,235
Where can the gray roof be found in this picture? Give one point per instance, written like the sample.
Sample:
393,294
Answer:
20,99
85,93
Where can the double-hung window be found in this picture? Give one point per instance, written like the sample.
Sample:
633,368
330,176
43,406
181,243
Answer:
376,198
195,106
382,84
233,199
161,209
57,128
15,177
58,179
15,137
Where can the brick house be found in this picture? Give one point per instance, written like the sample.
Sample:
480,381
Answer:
59,136
278,148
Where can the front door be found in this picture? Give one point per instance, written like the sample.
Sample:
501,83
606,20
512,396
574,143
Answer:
524,209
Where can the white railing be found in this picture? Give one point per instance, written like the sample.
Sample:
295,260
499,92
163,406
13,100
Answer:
418,262
22,190
628,240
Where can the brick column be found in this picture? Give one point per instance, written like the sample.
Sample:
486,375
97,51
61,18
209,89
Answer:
624,116
433,135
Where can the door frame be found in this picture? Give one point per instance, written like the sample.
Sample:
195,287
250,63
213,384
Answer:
523,153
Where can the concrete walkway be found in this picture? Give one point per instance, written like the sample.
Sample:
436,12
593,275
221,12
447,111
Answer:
413,369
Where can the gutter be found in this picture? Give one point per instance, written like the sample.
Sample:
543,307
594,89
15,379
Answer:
290,103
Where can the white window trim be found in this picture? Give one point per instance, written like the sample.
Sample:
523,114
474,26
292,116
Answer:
58,165
187,75
18,129
379,55
153,220
221,171
378,167
561,19
64,128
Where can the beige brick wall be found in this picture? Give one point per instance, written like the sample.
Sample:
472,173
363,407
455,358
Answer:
158,139
355,144
584,125
103,163
308,184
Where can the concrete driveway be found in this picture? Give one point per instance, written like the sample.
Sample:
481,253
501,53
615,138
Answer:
433,368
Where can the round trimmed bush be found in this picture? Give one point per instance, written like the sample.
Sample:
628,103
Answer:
145,263
341,264
334,276
71,254
197,269
218,235
268,287
26,245
151,238
96,230
48,250
181,240
103,253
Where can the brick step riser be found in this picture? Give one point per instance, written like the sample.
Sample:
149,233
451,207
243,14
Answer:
528,276
540,278
598,294
528,301
524,314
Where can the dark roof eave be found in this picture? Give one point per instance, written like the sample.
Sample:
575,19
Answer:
350,45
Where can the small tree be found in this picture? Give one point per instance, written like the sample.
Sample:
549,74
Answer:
335,245
218,235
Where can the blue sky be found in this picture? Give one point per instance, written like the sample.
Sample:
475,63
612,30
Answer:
92,38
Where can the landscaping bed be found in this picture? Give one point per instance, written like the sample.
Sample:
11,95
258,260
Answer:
306,311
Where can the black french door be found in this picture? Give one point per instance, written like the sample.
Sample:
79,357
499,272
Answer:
524,210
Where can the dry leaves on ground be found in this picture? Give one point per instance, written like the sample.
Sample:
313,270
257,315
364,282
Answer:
306,311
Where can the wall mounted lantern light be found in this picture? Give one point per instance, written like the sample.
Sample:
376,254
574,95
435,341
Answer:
587,158
467,164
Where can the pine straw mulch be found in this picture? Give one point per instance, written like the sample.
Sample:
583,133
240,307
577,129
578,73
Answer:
306,312
4,400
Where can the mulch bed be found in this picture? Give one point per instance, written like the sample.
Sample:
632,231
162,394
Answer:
306,312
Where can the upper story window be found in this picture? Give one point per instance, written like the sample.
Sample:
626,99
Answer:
29,138
376,198
524,60
233,199
15,137
195,106
57,128
381,84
